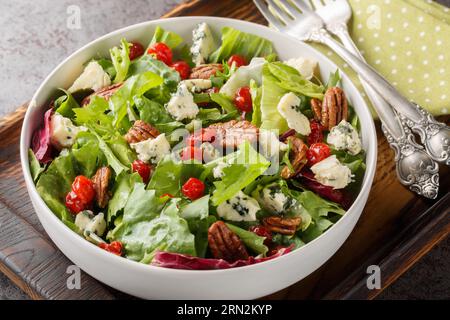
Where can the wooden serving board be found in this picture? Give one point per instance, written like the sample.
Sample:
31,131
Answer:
395,230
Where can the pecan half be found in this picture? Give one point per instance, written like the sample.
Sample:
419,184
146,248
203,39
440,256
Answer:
205,71
101,181
297,157
232,133
334,107
225,244
287,226
316,107
141,131
105,93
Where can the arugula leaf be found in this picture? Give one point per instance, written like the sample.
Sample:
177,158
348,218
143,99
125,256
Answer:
212,115
250,239
244,44
35,166
93,113
152,112
171,39
111,158
246,165
121,60
65,104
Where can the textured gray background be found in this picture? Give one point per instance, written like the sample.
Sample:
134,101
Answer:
35,39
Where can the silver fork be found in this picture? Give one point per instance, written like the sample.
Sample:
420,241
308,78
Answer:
415,168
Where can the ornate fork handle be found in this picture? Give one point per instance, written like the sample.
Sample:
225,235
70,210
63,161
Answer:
415,168
434,135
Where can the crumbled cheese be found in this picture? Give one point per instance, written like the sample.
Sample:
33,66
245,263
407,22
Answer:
203,44
218,169
273,199
269,144
332,173
197,85
91,226
239,208
63,132
306,67
152,150
288,107
345,137
181,105
93,77
242,77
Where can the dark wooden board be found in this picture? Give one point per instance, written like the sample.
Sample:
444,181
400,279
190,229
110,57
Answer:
395,230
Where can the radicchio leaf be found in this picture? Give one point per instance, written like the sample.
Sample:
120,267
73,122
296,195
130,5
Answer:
182,261
41,140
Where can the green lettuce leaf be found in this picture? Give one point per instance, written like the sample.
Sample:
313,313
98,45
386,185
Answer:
54,184
170,174
148,63
244,44
121,60
333,80
87,153
256,102
224,102
171,39
111,158
250,239
65,104
107,66
155,114
196,214
286,241
35,166
121,191
246,165
144,229
135,86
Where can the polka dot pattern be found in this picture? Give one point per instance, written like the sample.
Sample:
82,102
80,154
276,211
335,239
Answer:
410,46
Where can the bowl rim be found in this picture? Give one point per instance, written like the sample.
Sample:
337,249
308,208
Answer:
371,158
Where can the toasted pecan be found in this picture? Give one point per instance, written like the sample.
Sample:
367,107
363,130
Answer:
101,182
105,93
232,133
205,71
297,157
334,108
141,131
287,226
225,244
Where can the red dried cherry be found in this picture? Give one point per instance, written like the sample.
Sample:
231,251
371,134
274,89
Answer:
316,134
83,187
193,188
243,99
262,232
183,69
317,152
143,169
114,247
238,61
136,50
74,203
161,52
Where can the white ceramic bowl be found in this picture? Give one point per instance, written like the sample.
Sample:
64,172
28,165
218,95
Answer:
147,281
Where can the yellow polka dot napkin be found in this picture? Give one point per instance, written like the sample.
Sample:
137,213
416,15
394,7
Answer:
407,41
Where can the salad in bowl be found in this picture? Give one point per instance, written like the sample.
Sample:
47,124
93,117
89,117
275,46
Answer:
207,154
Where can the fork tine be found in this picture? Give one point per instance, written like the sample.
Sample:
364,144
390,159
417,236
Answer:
280,10
316,4
270,17
302,6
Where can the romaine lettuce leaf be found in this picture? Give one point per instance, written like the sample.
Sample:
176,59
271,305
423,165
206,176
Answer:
35,166
144,229
256,103
111,158
244,44
224,102
121,60
170,174
54,184
196,214
246,165
171,39
122,188
250,239
148,63
87,153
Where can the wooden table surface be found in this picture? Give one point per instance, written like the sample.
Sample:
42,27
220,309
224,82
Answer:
395,230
